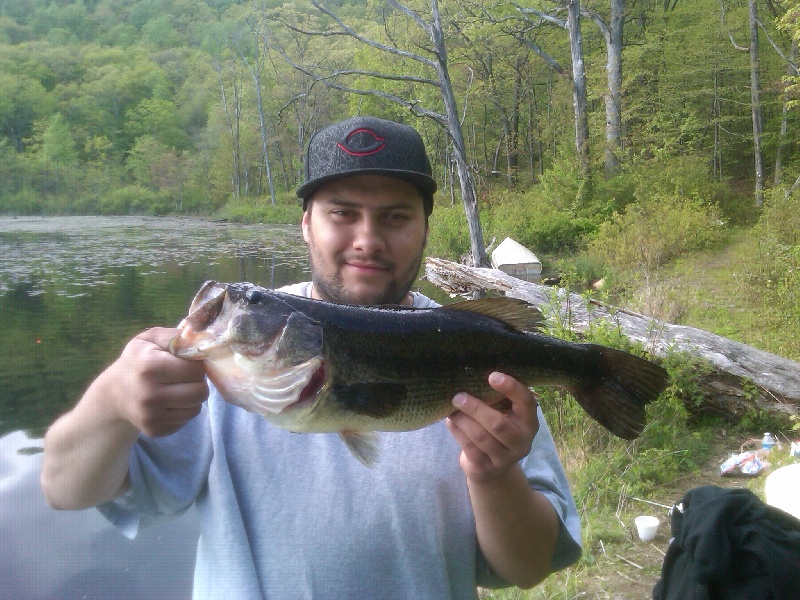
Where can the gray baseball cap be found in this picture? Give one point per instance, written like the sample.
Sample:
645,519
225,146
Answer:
367,146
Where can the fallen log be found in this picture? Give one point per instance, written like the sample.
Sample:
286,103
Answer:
740,377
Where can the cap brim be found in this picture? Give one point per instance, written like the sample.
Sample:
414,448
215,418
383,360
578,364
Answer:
425,183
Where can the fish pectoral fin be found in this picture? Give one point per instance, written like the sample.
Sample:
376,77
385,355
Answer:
372,399
364,445
273,391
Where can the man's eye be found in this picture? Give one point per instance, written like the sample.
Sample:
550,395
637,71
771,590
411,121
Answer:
397,217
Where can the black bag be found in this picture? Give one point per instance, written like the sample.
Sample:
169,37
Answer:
728,544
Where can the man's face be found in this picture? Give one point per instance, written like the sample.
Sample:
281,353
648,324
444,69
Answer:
365,236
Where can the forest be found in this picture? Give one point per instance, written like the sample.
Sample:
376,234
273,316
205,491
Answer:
650,145
625,134
174,106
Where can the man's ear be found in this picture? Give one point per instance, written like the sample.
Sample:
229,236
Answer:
305,224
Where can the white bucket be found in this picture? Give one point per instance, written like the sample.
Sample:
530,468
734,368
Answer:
647,527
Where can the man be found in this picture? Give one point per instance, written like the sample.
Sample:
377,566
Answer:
480,499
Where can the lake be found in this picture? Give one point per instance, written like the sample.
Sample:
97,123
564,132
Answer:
73,291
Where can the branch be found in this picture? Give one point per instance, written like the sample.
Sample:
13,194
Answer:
412,105
791,190
544,16
598,20
777,49
369,42
542,54
730,34
411,14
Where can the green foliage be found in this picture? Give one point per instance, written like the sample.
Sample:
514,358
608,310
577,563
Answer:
649,234
287,210
534,220
449,236
772,268
132,199
600,466
686,371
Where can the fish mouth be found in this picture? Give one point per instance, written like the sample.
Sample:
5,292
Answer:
204,310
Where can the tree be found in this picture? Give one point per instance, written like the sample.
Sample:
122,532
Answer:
612,34
254,54
573,26
156,117
436,49
56,154
755,99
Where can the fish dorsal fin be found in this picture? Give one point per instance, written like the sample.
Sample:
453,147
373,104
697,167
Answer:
514,312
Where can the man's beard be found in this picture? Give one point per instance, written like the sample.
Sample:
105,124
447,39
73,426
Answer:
334,290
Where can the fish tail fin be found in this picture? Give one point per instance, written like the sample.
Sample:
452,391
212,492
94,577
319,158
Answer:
364,445
617,398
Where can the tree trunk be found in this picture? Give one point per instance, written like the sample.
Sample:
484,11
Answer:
741,377
468,194
613,99
578,85
755,100
263,125
783,141
233,129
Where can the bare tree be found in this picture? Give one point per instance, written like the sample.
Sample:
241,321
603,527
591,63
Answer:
255,65
612,33
755,101
573,26
495,58
438,64
233,111
755,96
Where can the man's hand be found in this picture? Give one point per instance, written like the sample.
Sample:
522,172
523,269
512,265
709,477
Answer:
153,390
517,527
146,390
492,441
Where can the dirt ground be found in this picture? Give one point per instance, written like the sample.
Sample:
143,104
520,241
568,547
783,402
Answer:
633,568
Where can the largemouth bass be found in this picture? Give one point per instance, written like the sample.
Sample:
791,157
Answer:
313,366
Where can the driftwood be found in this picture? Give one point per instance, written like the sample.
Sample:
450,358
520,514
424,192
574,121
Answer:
740,377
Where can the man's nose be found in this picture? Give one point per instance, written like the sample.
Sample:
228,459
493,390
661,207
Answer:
368,236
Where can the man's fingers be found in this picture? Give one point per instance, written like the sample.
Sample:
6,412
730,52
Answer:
476,443
160,336
522,399
483,426
150,351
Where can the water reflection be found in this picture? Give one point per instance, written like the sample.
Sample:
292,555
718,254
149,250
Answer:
76,289
72,292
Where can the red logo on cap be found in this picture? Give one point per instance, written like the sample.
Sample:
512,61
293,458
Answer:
367,143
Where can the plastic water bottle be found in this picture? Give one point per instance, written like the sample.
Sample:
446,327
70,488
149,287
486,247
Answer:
767,442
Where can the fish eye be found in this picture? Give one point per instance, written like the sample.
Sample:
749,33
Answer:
254,296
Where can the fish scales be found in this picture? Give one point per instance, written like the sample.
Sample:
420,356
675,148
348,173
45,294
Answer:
313,366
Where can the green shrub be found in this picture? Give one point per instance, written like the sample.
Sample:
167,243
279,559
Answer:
131,199
449,235
772,270
648,235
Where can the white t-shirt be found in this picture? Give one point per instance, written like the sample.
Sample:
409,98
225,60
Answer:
286,515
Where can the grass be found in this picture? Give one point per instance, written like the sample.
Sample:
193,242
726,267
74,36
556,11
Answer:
612,479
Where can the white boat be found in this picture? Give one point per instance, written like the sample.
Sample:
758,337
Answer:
516,260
